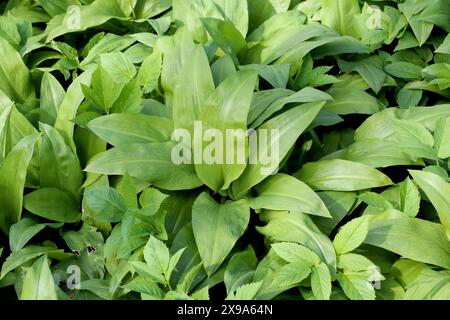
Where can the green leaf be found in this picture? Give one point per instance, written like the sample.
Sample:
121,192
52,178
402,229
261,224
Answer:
193,90
291,274
15,78
245,292
409,198
339,14
52,94
217,227
20,257
123,128
354,262
59,166
157,257
290,126
356,286
441,143
352,100
341,175
291,252
411,238
147,286
240,269
227,37
283,192
106,203
437,190
299,228
151,162
94,14
351,235
321,282
234,98
53,204
38,283
150,71
12,180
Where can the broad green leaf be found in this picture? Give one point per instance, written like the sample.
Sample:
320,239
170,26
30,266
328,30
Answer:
352,100
341,175
339,14
83,17
351,235
52,94
193,90
240,269
38,283
70,104
53,204
190,14
305,95
59,166
437,190
283,192
429,285
321,282
121,129
227,37
24,230
441,143
410,238
12,180
151,162
234,98
289,125
217,227
20,257
15,78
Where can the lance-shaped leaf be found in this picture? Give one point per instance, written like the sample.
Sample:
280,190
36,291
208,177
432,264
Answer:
53,204
341,175
150,162
59,165
438,191
12,181
216,228
283,130
411,238
126,128
284,192
230,153
38,283
193,90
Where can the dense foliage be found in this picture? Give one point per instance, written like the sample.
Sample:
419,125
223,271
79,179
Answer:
93,205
